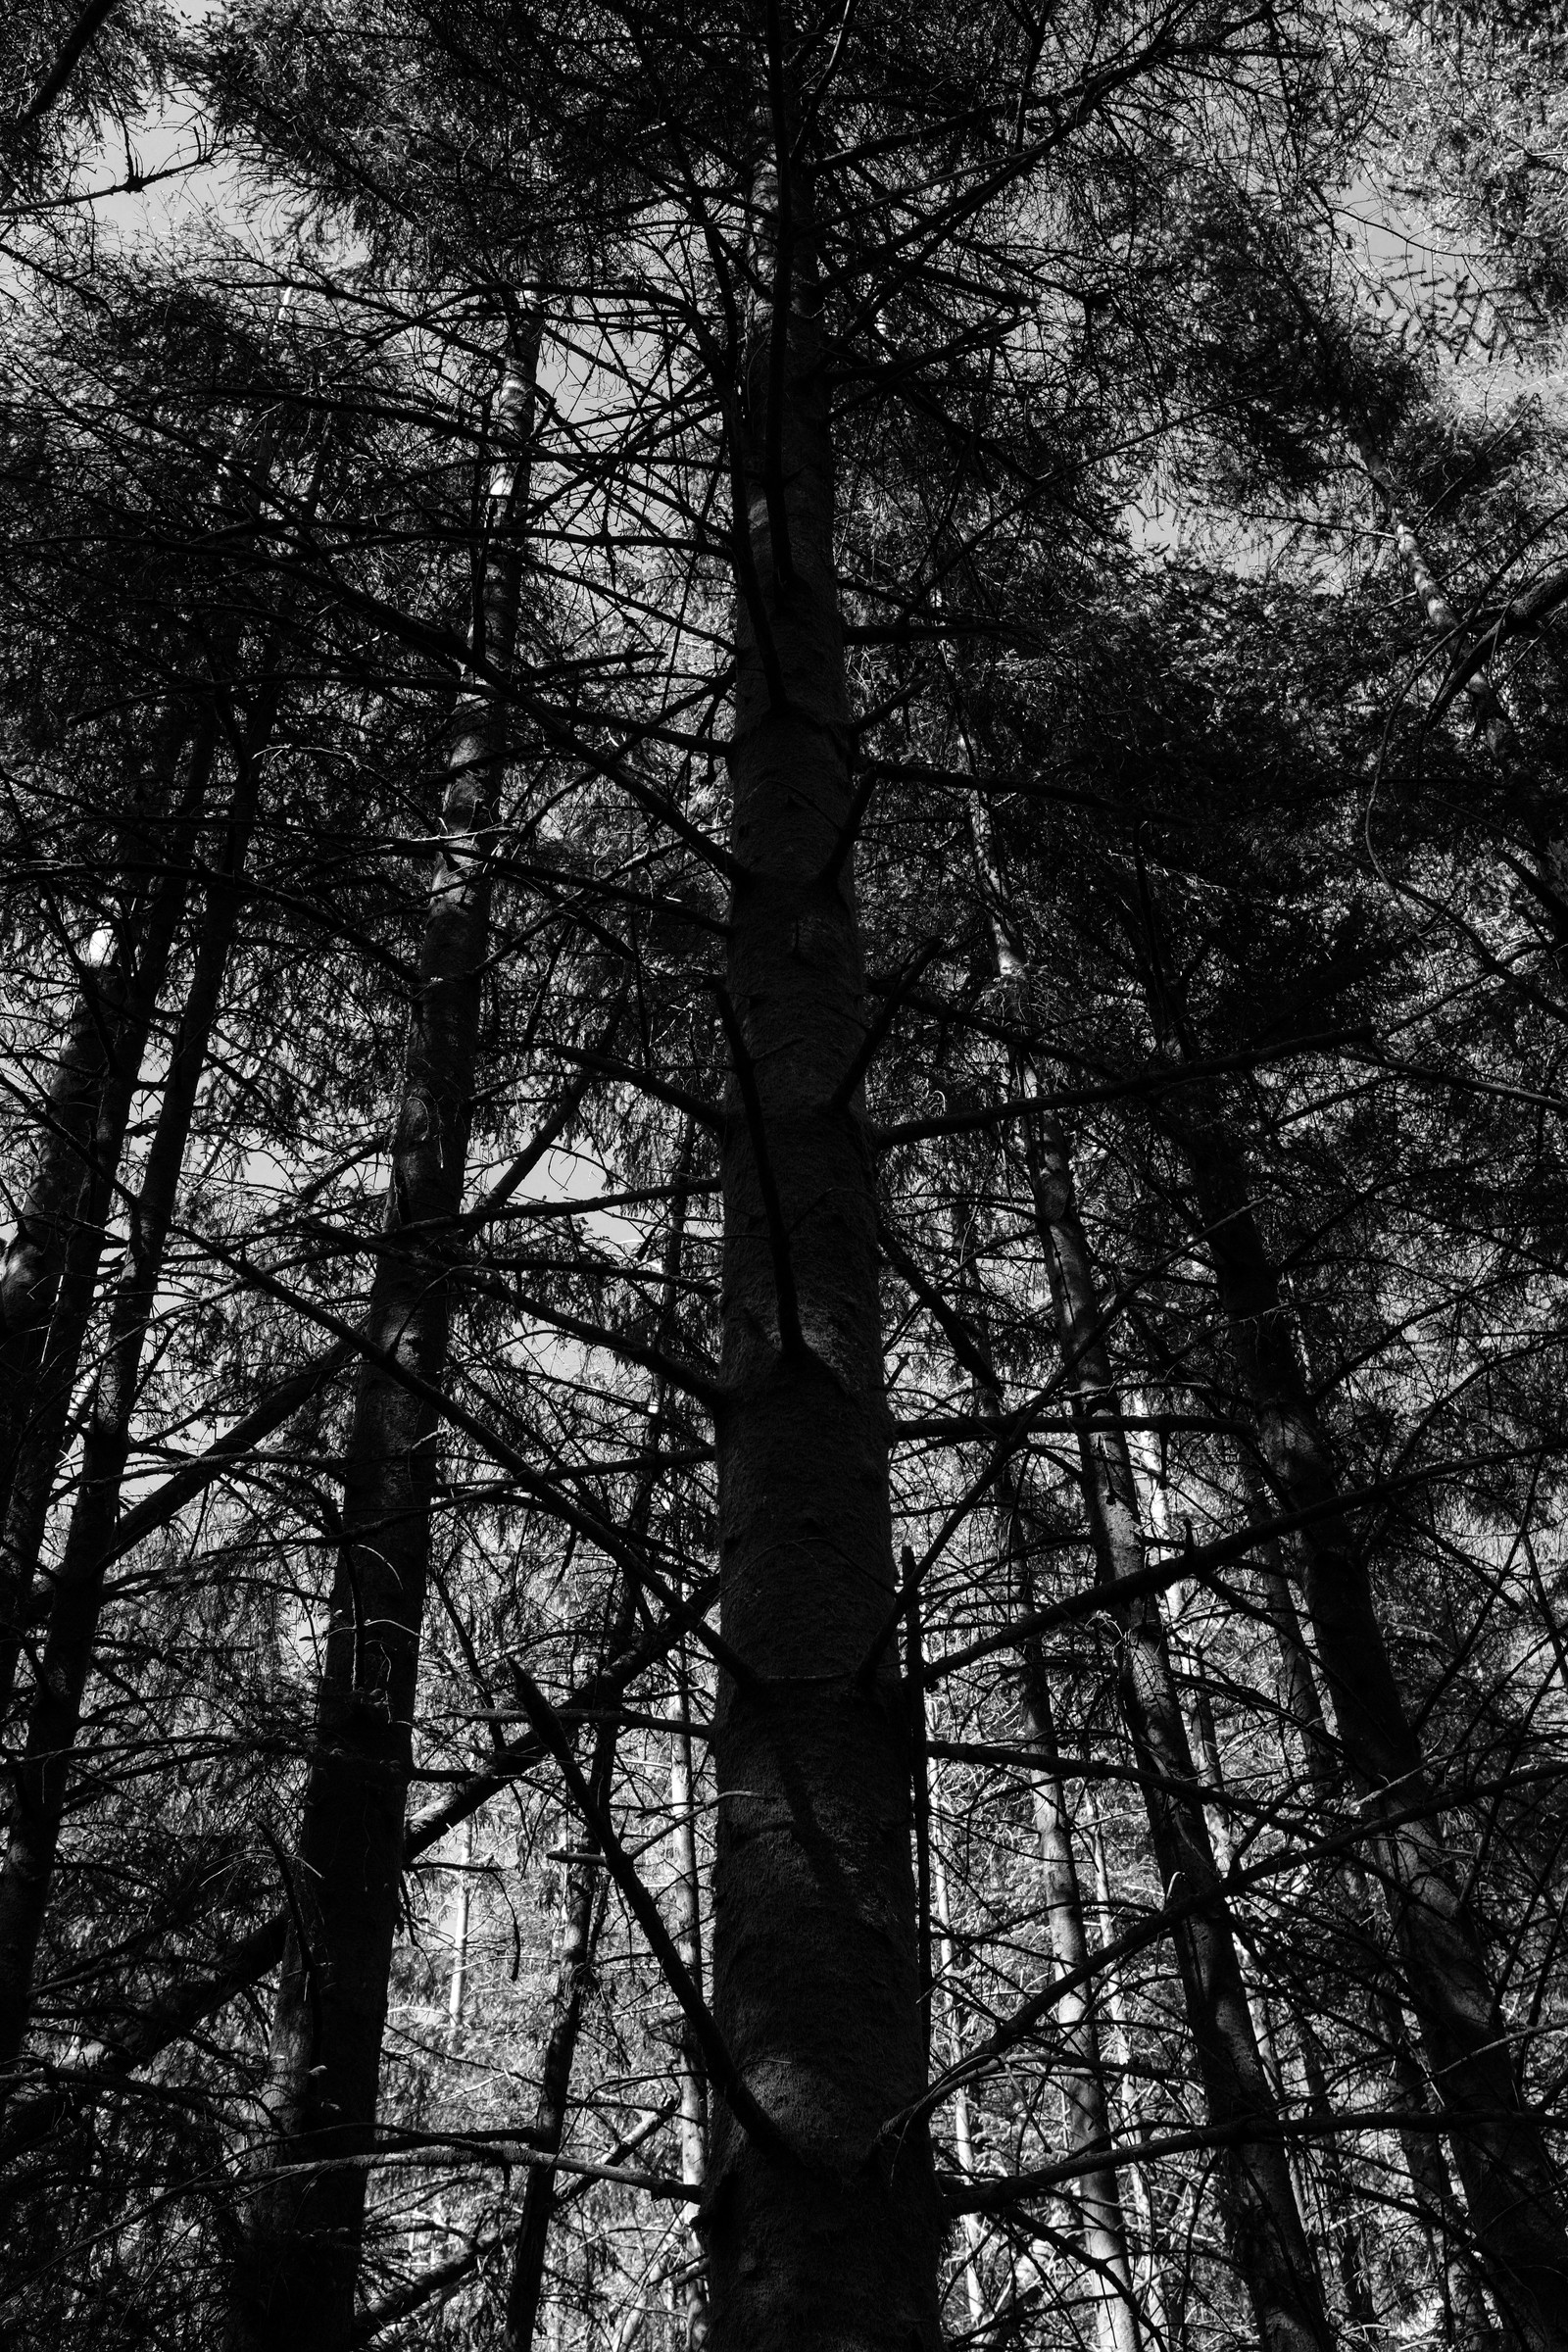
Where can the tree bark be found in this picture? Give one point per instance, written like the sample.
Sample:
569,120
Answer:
299,2260
1509,2179
1155,2300
815,1971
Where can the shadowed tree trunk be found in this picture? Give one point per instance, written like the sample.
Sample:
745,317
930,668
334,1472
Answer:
54,1712
962,2138
1335,2203
1153,2300
298,2266
1510,2185
581,1916
49,1355
1268,2242
815,1940
35,1255
581,1911
687,1898
34,1259
1096,2193
1469,2326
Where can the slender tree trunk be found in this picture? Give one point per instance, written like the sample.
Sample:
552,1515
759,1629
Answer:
56,1709
687,1893
1153,2299
962,2138
1510,2182
814,1938
461,1906
298,2268
581,1914
34,1259
1336,2206
37,1433
1086,2112
1430,2190
1268,2242
580,1917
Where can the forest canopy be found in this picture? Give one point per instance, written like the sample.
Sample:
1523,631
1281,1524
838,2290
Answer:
783,1031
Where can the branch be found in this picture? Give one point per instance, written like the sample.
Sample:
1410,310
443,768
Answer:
871,1044
76,41
156,1510
759,2126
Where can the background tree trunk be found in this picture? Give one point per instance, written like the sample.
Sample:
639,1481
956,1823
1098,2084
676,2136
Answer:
1510,2185
296,2272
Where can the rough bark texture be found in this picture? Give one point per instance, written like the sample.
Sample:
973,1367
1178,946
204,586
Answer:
55,1713
1510,2183
815,1971
296,2276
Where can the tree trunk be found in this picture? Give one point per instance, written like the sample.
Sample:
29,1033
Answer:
963,2139
1267,2241
1510,2183
38,1435
1430,2190
580,1913
35,1257
815,1940
299,2263
687,1892
1153,2299
461,1907
1086,2112
55,1710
